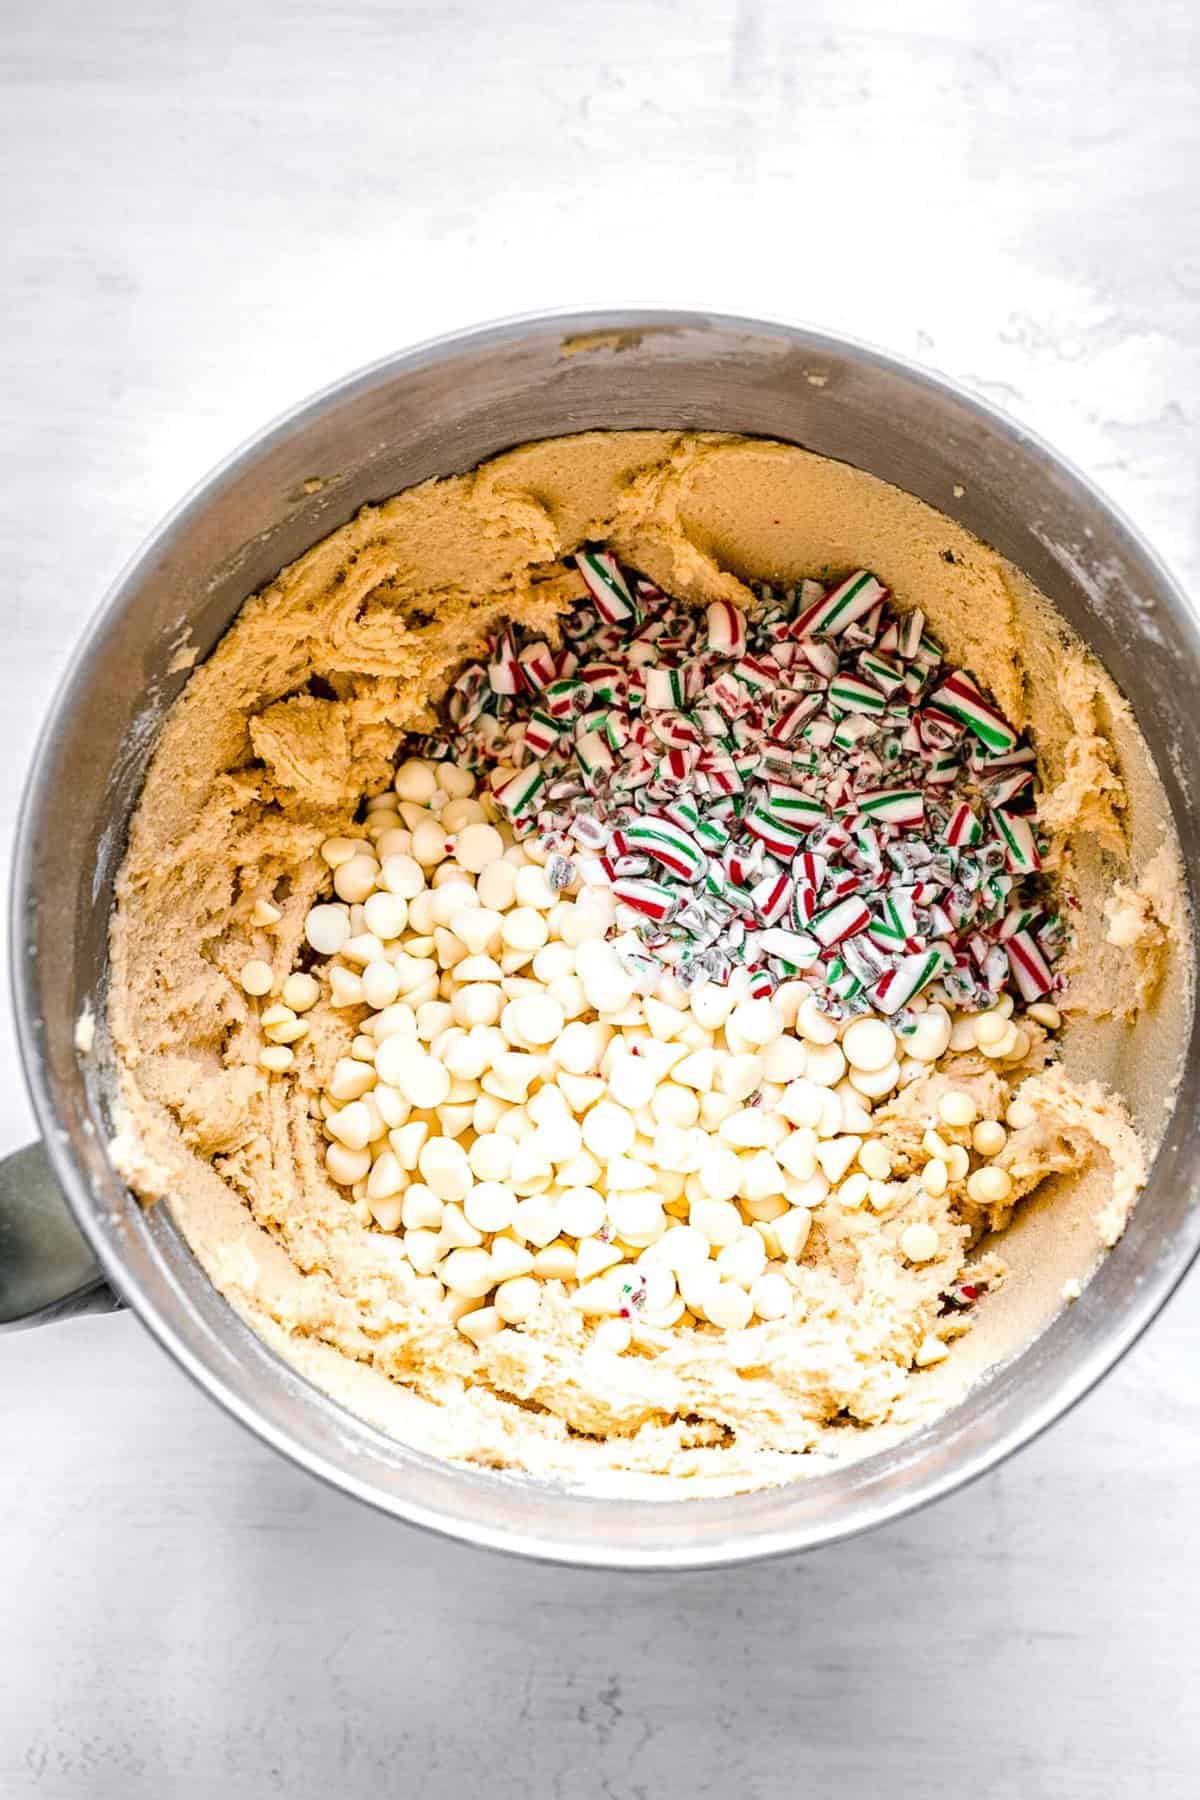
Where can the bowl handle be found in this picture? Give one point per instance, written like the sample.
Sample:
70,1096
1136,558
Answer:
47,1271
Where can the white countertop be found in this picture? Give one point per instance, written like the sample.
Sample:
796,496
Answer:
213,210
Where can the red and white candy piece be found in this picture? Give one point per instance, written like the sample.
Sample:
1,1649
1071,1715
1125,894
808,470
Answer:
771,898
959,696
504,675
537,664
794,715
778,838
726,629
853,598
519,794
652,898
964,827
668,844
898,986
891,806
541,733
1029,968
840,921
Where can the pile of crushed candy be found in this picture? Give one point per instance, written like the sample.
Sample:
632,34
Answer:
803,788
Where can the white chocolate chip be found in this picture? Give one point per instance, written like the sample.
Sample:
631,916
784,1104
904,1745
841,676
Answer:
327,929
990,1186
919,1242
956,1108
989,1137
255,977
477,846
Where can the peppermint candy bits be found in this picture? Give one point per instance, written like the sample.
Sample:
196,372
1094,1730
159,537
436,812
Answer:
798,784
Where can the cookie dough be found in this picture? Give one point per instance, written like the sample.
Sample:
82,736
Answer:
298,715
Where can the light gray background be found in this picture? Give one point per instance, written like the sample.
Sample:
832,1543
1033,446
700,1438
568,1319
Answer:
210,210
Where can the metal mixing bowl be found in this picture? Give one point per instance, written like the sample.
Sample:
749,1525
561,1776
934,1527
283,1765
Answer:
438,410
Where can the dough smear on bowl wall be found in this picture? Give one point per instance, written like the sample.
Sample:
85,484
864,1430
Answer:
428,1101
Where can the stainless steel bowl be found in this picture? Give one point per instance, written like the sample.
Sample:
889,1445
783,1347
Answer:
437,410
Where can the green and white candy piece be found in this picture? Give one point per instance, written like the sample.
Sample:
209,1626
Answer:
1020,846
607,586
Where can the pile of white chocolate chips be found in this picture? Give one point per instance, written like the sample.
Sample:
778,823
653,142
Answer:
638,952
